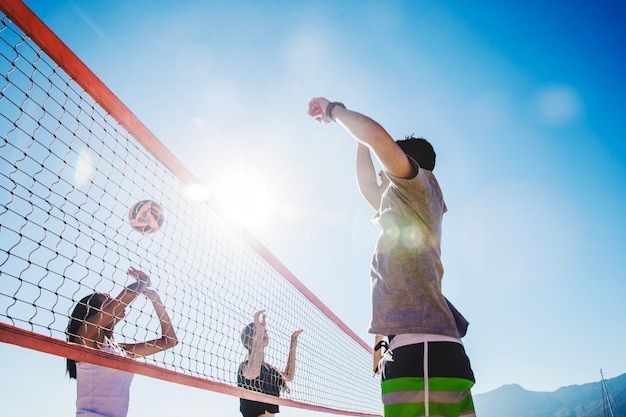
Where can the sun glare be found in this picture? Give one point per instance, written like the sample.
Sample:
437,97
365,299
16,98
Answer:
84,169
196,192
247,199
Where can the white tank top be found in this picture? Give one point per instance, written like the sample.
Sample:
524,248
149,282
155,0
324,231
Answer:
103,391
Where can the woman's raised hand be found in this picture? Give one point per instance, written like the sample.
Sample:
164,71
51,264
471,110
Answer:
139,275
259,318
294,336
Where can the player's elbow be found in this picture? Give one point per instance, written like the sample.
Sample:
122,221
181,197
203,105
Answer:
173,341
169,341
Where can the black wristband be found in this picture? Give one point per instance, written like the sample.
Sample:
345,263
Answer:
329,109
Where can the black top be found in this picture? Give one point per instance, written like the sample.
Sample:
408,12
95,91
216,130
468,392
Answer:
269,381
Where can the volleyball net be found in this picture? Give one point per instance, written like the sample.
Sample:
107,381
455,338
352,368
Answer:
73,160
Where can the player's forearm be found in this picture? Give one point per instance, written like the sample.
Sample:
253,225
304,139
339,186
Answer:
167,329
125,297
290,369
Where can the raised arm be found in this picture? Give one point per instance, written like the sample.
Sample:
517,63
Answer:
90,333
369,186
256,356
368,132
168,337
290,369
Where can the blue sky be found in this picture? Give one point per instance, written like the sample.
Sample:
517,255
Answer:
523,102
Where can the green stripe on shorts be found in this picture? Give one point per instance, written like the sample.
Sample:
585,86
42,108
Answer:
448,397
402,384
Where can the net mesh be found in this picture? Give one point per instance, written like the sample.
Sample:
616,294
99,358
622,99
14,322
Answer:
69,172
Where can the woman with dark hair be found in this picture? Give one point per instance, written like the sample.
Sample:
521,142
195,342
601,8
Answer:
103,391
257,375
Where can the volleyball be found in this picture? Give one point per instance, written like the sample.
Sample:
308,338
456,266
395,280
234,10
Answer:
146,216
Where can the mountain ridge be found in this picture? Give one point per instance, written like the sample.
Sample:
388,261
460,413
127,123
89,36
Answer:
585,400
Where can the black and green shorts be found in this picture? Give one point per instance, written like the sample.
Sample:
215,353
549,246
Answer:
431,378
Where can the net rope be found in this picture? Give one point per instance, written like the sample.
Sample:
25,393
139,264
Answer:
69,172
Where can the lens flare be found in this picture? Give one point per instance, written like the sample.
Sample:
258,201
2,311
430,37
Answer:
84,169
196,192
246,198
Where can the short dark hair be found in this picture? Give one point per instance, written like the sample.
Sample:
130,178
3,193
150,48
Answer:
420,150
88,306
